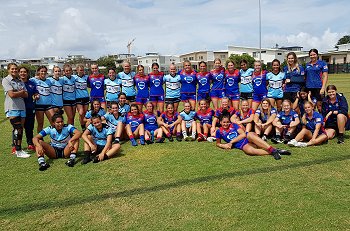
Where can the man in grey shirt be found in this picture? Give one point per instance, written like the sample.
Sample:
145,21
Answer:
15,110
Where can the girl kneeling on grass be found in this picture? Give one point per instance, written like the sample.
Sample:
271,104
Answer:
170,122
98,138
64,142
96,109
286,123
134,125
151,125
263,118
205,117
248,142
312,130
188,123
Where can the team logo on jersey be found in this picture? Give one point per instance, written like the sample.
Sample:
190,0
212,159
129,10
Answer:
151,120
156,82
203,81
257,81
98,84
141,85
230,81
189,79
134,124
232,135
219,77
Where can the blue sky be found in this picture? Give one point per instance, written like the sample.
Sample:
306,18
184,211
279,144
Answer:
36,28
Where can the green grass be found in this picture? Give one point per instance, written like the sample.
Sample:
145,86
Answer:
187,186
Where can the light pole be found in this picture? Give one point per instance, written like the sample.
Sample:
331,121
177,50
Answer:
260,30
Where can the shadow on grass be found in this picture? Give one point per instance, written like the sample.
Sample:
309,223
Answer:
161,187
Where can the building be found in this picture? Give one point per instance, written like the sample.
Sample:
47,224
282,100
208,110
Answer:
207,56
164,61
267,54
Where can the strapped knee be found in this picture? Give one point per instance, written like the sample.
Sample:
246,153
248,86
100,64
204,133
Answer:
17,128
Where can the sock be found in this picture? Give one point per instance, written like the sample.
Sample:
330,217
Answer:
142,137
131,137
83,127
168,134
193,134
184,133
87,153
41,160
116,140
105,157
73,156
178,134
340,135
278,134
271,149
205,134
288,134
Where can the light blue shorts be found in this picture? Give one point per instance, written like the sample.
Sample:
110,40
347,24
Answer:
16,113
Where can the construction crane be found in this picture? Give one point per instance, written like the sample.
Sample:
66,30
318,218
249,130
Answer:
129,48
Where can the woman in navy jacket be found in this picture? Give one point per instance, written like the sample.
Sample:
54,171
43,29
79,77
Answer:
335,113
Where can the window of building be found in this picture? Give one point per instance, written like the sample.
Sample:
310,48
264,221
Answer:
263,52
190,58
255,55
222,56
279,53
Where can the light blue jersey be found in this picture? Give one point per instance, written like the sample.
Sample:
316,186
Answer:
246,80
128,86
112,89
56,92
100,137
89,113
275,85
68,87
188,117
172,86
59,139
123,110
112,121
43,88
81,90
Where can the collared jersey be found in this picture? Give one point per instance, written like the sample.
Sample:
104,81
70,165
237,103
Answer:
156,84
229,134
265,116
314,74
81,86
285,118
188,81
232,82
297,78
127,83
275,84
142,84
246,80
96,83
205,117
59,139
43,88
113,88
100,136
172,86
68,84
203,80
311,123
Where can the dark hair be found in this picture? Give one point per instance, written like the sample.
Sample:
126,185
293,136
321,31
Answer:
114,103
41,67
57,115
303,89
276,60
243,61
121,93
155,64
95,116
138,66
111,68
201,62
167,104
225,114
331,87
313,50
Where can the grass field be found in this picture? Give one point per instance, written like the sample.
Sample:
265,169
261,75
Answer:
180,186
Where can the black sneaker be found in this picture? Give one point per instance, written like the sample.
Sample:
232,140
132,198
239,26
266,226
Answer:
179,138
43,166
284,152
70,163
286,139
276,140
95,160
149,142
86,160
160,140
170,138
276,155
340,140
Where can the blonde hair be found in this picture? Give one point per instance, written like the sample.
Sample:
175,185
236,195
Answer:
296,64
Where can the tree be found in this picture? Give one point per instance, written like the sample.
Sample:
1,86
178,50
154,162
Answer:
236,59
343,40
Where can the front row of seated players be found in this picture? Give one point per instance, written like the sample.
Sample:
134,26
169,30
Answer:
98,142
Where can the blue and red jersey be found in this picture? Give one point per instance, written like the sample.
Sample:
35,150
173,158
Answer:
205,117
232,82
142,86
244,115
156,84
259,82
96,83
203,80
285,118
134,120
169,119
150,121
311,123
296,77
229,134
314,73
218,77
188,81
230,110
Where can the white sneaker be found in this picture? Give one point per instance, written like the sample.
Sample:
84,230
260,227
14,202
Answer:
292,143
301,144
211,139
193,137
22,154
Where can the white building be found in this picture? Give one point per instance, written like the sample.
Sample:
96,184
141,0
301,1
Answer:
267,54
164,61
196,57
